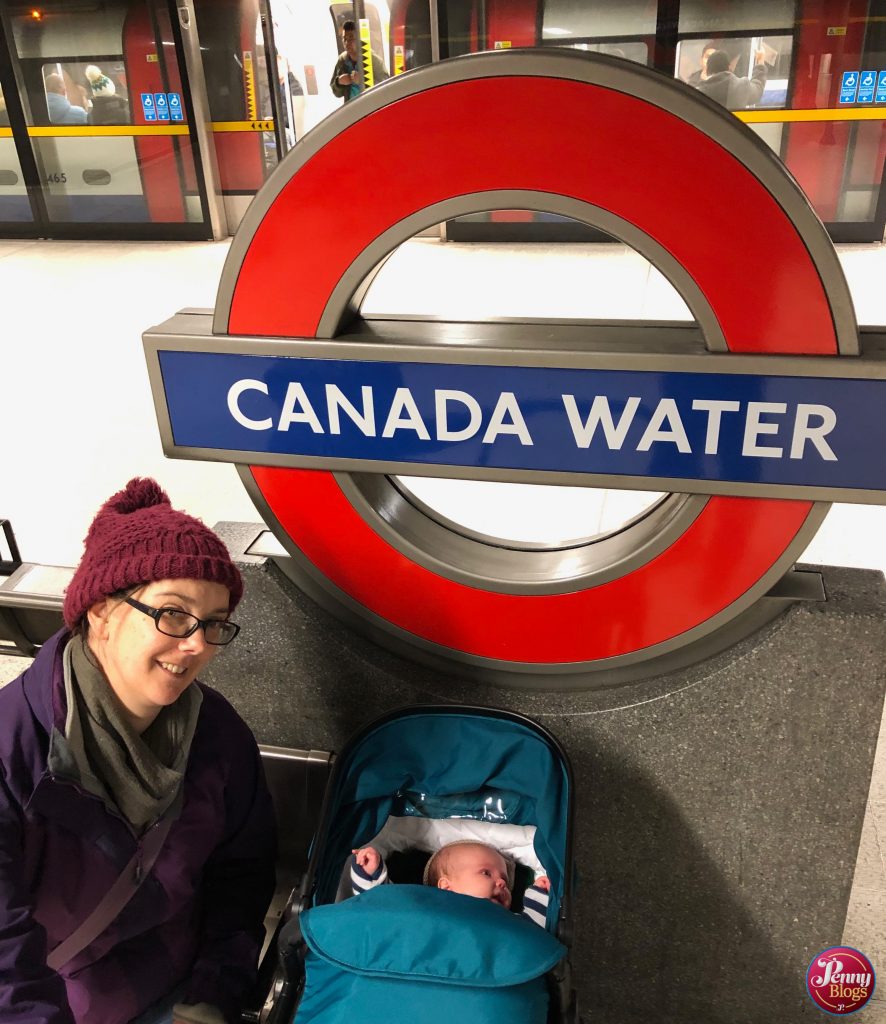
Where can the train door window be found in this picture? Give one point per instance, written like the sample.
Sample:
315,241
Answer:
235,62
15,207
597,19
716,16
461,30
625,30
410,35
101,90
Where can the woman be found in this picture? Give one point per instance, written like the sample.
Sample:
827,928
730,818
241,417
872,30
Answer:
136,831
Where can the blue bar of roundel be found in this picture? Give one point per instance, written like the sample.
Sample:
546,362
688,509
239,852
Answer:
197,385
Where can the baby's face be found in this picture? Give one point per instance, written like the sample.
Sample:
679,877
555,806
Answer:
478,871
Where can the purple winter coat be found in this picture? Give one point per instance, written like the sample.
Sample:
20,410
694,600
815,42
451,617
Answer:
197,918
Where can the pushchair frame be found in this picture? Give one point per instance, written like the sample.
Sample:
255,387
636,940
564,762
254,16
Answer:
289,978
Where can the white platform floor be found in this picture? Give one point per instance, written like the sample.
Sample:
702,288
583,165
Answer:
77,419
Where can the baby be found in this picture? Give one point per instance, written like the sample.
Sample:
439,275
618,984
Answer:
468,867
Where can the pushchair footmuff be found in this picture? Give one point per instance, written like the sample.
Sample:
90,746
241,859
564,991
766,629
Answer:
410,952
442,955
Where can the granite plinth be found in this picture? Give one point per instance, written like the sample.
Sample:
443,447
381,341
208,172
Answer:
718,809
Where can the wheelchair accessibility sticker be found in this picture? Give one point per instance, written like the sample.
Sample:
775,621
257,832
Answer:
840,980
752,417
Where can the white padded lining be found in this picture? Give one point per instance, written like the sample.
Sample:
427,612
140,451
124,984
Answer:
429,834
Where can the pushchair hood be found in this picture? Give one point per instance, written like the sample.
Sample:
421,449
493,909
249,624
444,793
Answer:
461,764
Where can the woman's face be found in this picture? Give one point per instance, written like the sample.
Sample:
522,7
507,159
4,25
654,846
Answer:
148,670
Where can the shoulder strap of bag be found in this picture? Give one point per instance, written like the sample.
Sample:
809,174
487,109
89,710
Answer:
116,898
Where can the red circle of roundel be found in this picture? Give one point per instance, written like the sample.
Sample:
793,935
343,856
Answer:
539,134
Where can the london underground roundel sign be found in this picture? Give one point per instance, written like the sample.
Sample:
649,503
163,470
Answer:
322,408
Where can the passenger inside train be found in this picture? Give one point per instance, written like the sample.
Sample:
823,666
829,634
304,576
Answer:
347,77
150,182
108,107
701,72
722,85
60,108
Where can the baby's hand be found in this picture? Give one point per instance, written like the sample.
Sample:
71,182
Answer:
543,883
368,859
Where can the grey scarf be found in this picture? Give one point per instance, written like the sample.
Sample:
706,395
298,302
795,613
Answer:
139,776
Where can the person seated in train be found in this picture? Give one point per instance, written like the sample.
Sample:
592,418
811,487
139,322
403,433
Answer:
347,78
724,86
107,106
61,110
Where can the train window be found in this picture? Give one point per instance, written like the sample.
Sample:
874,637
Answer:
772,52
598,19
637,52
715,16
86,92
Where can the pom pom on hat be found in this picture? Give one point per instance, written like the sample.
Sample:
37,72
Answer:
99,82
137,537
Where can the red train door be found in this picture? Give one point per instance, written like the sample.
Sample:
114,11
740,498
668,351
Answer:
101,117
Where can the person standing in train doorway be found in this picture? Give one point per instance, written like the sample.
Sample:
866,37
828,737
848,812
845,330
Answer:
347,78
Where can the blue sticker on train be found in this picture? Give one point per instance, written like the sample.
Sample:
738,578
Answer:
673,425
866,83
881,88
162,106
848,86
148,109
175,106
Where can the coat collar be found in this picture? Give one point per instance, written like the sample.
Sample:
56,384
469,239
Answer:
44,683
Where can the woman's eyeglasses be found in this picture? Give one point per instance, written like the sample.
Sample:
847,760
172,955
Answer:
174,622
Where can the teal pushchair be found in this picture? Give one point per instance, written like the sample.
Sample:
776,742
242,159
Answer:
414,953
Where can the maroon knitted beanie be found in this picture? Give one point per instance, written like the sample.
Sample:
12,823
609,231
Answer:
138,537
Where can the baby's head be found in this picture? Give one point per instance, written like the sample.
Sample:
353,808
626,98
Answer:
473,869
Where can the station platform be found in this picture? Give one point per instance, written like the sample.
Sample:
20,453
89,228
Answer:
77,418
